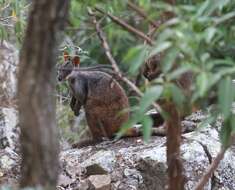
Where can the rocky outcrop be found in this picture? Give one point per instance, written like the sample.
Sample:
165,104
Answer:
9,146
131,164
135,165
9,167
9,129
8,68
128,164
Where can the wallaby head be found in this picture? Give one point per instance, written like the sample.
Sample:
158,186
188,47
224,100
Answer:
67,67
152,67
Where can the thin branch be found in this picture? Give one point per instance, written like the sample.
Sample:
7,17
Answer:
211,169
127,26
112,61
142,13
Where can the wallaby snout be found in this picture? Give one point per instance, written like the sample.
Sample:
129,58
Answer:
64,70
59,78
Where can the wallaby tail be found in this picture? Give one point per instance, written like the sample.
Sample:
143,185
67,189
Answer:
132,132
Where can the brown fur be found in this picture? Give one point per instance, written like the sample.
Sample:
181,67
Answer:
103,100
152,70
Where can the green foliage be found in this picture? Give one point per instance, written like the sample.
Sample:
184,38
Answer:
134,58
13,19
200,39
225,96
152,94
147,125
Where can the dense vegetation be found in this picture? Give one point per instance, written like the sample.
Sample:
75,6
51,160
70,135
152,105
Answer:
200,38
202,33
191,36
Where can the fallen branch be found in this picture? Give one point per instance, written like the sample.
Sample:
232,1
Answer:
211,169
112,61
127,26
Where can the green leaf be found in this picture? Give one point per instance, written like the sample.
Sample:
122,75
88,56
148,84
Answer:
178,72
226,96
164,36
147,127
125,127
3,33
203,8
167,92
209,6
169,59
177,96
202,83
160,48
213,79
209,34
232,122
135,57
18,27
151,95
225,132
226,17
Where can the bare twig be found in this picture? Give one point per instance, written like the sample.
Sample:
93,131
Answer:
127,26
211,169
112,61
142,13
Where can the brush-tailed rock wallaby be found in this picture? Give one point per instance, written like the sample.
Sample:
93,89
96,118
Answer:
70,65
104,100
152,69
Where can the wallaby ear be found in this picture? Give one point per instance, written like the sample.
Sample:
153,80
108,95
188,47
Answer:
76,61
66,56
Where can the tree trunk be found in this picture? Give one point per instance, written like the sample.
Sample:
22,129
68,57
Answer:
35,92
175,168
